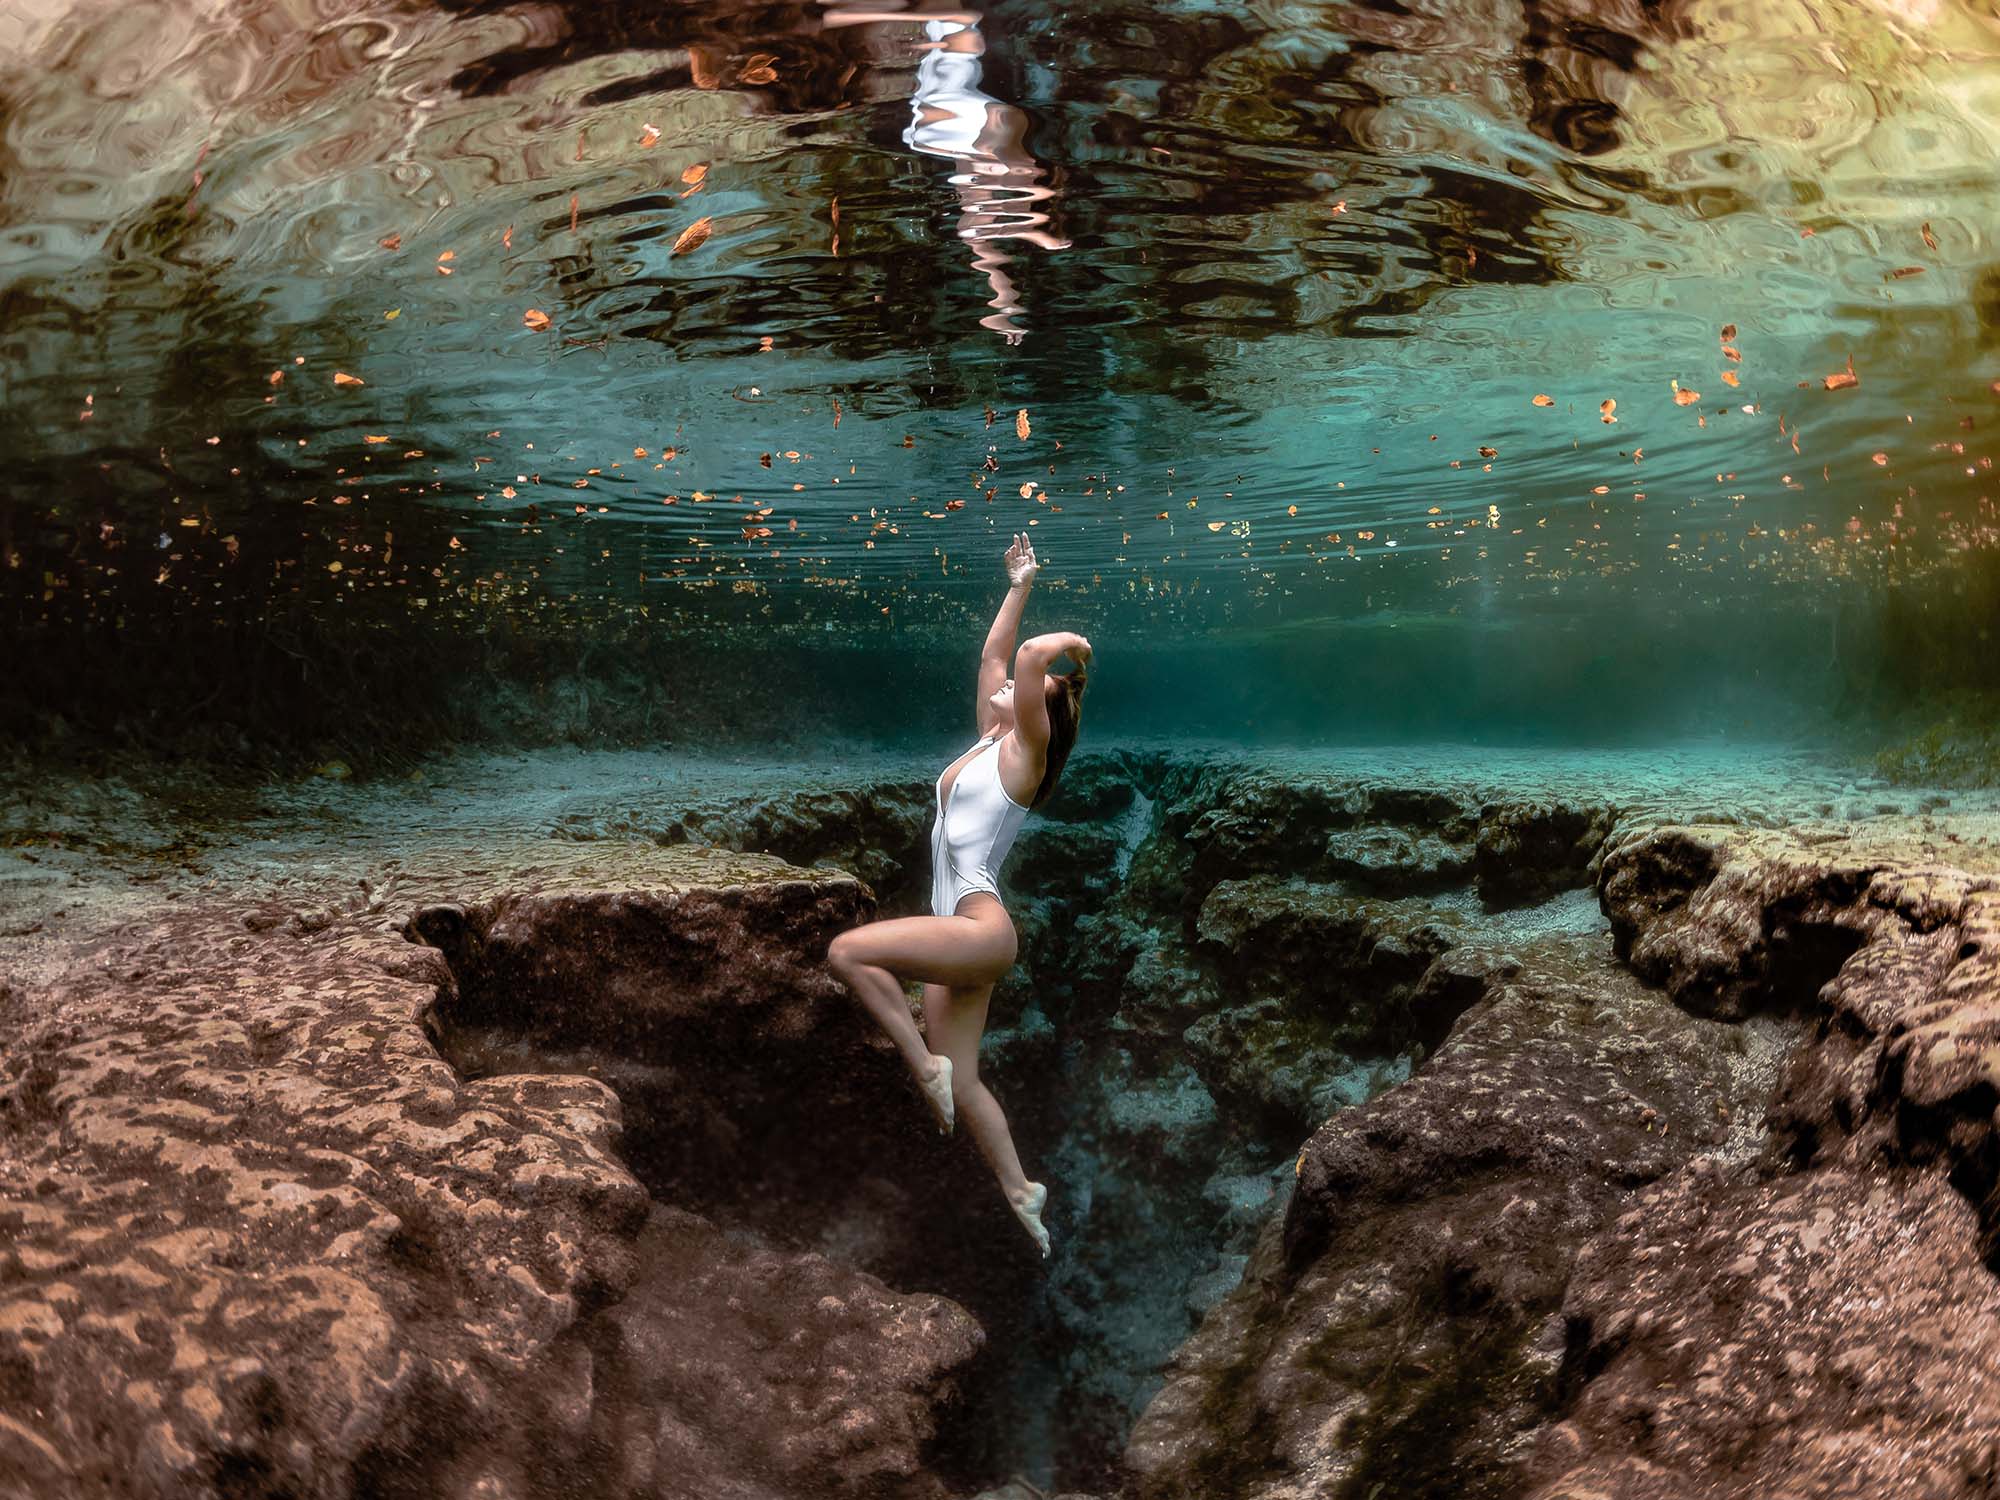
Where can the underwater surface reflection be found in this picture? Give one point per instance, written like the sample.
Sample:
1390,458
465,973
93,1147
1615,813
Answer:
1441,308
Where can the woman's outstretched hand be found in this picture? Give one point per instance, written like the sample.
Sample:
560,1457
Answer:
1020,561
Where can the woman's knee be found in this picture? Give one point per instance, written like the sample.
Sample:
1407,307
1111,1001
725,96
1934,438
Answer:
840,952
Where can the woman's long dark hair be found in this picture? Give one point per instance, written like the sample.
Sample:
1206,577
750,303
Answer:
1065,702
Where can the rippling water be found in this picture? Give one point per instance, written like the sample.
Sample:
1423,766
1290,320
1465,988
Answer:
1250,313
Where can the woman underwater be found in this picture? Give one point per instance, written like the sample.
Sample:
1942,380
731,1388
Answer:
958,953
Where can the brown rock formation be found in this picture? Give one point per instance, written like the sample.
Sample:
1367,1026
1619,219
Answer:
1400,1325
1552,1262
257,1235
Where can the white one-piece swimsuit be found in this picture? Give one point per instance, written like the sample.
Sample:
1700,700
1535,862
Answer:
975,828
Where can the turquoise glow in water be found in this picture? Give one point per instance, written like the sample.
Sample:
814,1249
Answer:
1477,318
378,375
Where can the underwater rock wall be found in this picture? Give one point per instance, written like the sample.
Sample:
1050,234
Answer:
1567,1258
605,1180
262,1237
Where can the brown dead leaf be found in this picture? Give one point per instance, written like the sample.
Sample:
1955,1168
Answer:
370,437
1021,428
694,176
341,377
1606,407
1684,398
757,68
1489,452
391,242
1901,271
1929,238
536,319
694,236
1545,401
1729,378
1728,332
1841,380
649,136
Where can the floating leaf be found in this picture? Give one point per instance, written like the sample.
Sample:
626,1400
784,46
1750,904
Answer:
1728,332
1881,459
1684,398
1545,401
536,319
341,377
695,175
1489,452
1021,428
1606,407
1840,380
277,377
1729,378
757,69
1901,271
694,236
1217,525
392,314
391,242
370,437
1929,238
649,136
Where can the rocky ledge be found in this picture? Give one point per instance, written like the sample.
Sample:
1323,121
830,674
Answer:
257,1236
1732,1236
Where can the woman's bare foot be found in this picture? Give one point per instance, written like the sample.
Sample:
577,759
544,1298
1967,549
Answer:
1028,1209
937,1092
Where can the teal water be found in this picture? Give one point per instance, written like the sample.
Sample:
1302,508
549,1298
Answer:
1611,388
1661,335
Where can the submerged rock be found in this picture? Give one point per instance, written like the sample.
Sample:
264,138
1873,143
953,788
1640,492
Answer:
1823,1333
1565,1260
255,1233
1402,1324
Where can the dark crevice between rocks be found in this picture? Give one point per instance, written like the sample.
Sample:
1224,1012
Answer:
1801,957
1211,965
